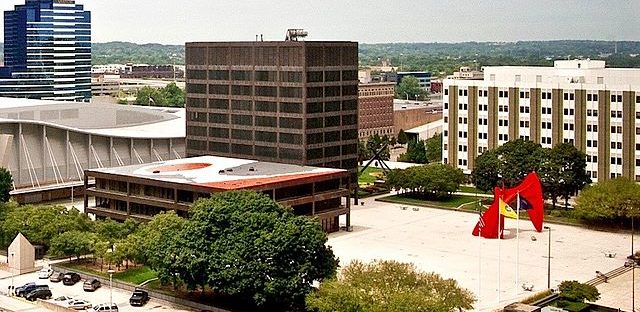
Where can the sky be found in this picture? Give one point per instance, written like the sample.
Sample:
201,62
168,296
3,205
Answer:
365,21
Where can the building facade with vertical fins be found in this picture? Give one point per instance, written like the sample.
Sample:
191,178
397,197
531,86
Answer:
289,102
47,51
580,102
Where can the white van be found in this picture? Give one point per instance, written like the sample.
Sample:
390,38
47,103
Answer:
104,307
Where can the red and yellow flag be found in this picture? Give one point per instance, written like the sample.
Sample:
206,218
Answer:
506,211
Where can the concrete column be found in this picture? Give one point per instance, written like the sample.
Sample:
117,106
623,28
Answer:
44,154
557,116
493,117
131,151
20,152
473,127
629,135
514,114
111,164
89,152
66,154
453,126
171,156
536,115
581,120
604,135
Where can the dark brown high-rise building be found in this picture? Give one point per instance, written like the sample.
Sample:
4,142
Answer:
290,102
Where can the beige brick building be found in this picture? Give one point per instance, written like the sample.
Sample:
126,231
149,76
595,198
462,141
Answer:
579,102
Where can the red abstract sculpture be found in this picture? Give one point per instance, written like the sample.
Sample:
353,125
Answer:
491,224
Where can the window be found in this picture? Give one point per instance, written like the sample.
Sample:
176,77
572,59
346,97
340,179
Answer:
592,143
524,109
462,148
546,125
524,124
445,133
568,126
503,123
616,98
616,145
546,110
592,128
446,91
546,140
616,160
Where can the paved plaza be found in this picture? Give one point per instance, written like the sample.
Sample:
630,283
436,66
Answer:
441,241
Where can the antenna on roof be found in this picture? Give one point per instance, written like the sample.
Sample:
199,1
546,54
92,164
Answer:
293,34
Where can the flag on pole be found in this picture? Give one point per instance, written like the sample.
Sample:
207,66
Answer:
481,223
507,211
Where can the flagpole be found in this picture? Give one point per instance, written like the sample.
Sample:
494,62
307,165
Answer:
499,252
518,246
480,263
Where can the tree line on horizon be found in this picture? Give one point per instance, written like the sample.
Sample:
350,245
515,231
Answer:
436,56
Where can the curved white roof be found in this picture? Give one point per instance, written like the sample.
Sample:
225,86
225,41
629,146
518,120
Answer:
112,120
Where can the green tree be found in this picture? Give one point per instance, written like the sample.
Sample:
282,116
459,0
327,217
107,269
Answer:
575,291
174,95
507,165
375,143
391,287
563,172
72,243
402,137
363,152
40,224
393,141
410,86
6,184
246,245
433,147
614,200
159,242
416,153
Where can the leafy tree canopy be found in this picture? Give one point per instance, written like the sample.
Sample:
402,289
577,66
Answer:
611,200
575,291
245,244
410,87
391,287
6,184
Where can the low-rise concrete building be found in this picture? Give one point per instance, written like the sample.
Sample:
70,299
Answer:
142,191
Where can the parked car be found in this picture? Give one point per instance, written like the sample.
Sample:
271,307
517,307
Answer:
71,279
63,298
139,298
91,285
78,304
23,290
56,277
45,273
105,307
39,293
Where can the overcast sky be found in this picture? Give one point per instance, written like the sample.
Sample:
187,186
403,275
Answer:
366,21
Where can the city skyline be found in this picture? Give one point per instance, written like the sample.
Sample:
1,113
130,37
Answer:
367,22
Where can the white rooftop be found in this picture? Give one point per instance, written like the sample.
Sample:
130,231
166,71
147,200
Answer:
100,119
221,173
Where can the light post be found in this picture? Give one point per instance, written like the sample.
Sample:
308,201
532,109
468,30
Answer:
12,254
110,288
407,96
549,259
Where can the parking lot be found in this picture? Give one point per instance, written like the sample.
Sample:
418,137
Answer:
101,295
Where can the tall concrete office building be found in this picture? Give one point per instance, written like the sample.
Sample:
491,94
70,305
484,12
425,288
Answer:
292,102
580,102
47,51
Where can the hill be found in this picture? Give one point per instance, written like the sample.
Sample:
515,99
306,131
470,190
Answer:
436,57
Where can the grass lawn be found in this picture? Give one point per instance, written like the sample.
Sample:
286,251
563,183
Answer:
449,203
470,189
134,275
366,177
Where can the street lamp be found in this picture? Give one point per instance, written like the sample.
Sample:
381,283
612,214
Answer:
111,287
12,254
549,259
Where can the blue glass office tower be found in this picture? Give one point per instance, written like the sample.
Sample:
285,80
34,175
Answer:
47,51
